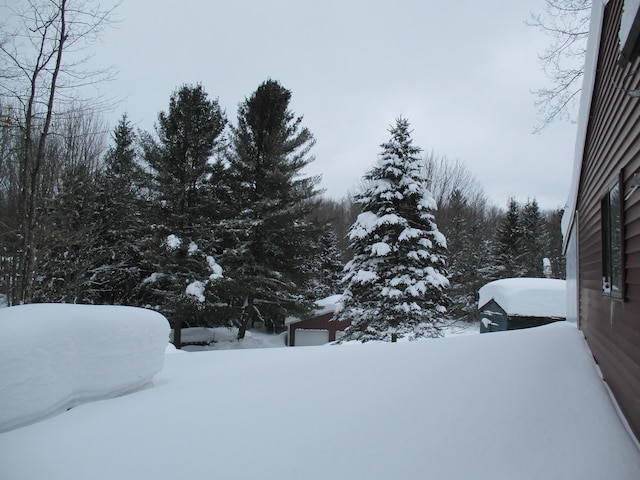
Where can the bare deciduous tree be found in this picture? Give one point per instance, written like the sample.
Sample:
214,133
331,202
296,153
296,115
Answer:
566,22
447,175
36,79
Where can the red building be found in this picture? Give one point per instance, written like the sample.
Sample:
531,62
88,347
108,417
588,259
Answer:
318,329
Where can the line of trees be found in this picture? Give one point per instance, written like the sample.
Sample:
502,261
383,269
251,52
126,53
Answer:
151,221
206,220
213,223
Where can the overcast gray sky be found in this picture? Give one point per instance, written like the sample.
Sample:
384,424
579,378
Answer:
461,72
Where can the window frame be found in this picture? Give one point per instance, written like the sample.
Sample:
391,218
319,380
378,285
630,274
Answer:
612,226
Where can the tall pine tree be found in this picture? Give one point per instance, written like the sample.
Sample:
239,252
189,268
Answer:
268,234
180,262
395,284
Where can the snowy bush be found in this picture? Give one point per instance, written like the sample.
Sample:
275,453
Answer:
56,356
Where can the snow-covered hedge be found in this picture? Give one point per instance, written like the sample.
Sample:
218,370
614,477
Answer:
56,356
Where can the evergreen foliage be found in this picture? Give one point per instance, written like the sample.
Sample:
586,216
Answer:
508,237
326,266
120,210
524,239
268,234
534,239
395,283
182,236
470,253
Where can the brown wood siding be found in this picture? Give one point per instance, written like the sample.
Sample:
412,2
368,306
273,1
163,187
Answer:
612,326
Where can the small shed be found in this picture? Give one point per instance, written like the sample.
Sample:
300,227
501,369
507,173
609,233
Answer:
318,329
513,303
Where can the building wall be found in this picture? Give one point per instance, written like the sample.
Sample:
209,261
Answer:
321,322
612,151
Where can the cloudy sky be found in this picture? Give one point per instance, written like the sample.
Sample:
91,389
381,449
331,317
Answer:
461,72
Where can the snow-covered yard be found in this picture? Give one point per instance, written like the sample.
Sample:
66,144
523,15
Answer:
525,404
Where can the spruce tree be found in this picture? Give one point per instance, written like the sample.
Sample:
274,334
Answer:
468,254
268,234
507,243
534,239
395,284
183,241
325,265
120,210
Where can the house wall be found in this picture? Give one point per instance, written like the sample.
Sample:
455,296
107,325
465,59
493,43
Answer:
612,150
321,322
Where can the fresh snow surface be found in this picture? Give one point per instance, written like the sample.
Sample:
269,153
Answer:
535,297
524,404
56,356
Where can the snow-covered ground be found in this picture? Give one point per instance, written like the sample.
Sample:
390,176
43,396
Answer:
525,404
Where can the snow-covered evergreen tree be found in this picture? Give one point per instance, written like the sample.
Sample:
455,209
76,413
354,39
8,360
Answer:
182,160
120,210
395,284
326,266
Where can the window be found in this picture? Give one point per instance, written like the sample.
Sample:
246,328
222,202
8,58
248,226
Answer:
612,254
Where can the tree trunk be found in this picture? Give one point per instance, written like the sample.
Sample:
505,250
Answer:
177,334
245,317
31,169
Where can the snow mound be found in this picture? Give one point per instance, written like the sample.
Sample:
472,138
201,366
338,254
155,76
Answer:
56,356
531,297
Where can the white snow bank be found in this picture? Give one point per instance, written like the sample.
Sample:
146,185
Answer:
56,356
534,297
523,404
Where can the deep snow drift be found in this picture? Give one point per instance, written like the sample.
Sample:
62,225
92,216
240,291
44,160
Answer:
56,356
525,404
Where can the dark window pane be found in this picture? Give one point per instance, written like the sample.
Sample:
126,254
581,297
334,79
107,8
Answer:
615,219
612,258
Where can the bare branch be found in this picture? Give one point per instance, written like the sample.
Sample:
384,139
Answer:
566,22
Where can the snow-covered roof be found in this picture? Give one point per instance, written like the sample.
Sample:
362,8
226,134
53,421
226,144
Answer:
531,297
330,304
588,82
